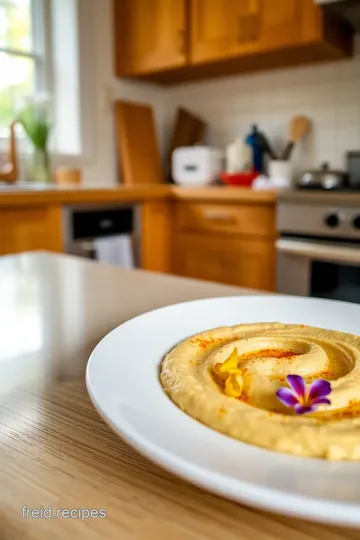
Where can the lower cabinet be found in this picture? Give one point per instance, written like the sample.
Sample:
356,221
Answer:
30,228
232,243
156,236
234,261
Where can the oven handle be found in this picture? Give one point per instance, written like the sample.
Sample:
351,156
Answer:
318,251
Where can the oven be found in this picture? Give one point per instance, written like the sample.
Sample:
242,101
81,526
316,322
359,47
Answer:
318,251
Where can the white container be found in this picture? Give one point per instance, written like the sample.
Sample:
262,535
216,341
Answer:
281,174
195,165
238,157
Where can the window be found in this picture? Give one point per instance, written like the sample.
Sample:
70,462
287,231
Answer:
40,42
22,59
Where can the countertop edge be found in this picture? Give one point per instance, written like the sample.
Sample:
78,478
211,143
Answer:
141,193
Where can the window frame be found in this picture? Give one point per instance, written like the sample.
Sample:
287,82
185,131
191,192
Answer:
43,41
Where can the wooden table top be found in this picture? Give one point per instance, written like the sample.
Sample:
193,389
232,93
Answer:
55,450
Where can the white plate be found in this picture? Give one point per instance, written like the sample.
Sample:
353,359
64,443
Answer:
123,382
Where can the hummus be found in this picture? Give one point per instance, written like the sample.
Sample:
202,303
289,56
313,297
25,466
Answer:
241,401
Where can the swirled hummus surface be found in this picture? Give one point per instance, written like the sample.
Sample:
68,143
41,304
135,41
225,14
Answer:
239,398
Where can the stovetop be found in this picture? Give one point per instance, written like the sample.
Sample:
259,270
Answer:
347,189
319,213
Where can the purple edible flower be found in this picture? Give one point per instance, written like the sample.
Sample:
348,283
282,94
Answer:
302,399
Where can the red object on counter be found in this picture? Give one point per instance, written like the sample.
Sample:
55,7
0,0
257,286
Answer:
239,179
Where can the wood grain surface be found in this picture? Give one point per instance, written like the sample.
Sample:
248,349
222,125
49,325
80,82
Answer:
54,447
138,148
57,451
137,193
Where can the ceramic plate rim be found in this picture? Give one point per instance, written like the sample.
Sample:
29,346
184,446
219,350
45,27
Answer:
265,498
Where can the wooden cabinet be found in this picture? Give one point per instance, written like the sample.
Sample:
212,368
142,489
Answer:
156,236
281,22
223,29
174,41
244,219
150,35
226,259
228,243
248,19
31,228
212,30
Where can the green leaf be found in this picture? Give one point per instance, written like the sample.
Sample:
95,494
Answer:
35,124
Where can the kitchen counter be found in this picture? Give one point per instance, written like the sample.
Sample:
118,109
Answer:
56,450
223,194
314,197
20,196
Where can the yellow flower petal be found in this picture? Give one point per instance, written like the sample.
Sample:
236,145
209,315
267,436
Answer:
230,363
234,385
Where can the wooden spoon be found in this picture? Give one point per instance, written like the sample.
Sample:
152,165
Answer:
299,127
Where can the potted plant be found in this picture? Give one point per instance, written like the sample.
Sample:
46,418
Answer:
34,119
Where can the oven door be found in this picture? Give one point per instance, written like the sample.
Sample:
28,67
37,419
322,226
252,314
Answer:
318,269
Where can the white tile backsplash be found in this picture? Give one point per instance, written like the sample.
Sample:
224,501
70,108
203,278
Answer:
329,94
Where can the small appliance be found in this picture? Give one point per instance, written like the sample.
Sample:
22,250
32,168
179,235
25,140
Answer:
196,165
353,165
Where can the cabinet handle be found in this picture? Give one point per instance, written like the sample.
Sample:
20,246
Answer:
248,28
215,215
242,36
255,27
182,42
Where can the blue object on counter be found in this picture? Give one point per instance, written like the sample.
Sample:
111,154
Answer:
255,141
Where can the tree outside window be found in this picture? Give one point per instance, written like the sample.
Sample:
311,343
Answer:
21,61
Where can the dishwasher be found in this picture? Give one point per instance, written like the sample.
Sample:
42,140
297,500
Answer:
83,224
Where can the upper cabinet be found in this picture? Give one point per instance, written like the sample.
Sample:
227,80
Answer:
224,28
178,40
212,37
280,22
150,35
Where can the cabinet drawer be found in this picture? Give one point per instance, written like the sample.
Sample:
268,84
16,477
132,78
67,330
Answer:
245,219
226,259
30,228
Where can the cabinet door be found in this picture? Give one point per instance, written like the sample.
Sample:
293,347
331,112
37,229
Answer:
234,261
30,228
280,23
248,17
268,24
228,28
150,35
212,29
156,236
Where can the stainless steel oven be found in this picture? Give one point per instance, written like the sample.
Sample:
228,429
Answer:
318,252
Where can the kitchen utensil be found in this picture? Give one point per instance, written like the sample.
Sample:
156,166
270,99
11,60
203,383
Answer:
189,130
238,157
281,174
323,178
9,172
242,179
196,165
268,149
353,166
299,127
308,488
256,142
138,149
